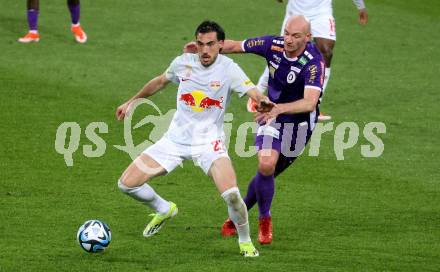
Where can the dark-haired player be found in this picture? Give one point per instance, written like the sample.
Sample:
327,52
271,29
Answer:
206,81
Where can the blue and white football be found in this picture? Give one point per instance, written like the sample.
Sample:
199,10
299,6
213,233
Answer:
94,236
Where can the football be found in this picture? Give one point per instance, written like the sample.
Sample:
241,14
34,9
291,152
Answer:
94,236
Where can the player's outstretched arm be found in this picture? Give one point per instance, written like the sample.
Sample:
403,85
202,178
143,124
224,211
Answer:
149,89
231,46
307,104
263,102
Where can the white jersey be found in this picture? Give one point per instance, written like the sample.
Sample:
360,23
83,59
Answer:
310,8
315,8
202,97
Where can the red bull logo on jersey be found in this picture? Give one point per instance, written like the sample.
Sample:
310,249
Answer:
188,98
198,101
208,102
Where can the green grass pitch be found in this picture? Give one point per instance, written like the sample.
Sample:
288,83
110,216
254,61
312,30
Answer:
359,214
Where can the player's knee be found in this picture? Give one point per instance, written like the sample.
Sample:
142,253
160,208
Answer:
123,187
132,179
127,183
266,167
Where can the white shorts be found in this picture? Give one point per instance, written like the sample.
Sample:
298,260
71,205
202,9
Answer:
323,26
170,154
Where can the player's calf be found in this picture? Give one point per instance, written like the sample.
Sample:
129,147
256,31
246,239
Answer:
236,207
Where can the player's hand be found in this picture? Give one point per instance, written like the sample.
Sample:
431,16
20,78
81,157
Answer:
265,105
259,117
190,47
122,110
263,117
363,16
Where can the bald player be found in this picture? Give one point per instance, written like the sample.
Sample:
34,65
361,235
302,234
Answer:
323,29
296,70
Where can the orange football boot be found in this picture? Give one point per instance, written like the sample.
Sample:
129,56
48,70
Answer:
30,37
78,32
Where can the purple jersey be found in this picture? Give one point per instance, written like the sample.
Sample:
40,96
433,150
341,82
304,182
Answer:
289,76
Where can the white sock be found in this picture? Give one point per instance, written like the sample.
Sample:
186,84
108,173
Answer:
75,25
146,195
263,81
326,78
243,232
238,213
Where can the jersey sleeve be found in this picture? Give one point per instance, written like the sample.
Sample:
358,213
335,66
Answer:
170,72
314,75
258,45
359,4
240,82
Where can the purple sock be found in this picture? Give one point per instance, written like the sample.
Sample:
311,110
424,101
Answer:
32,17
74,13
251,196
265,187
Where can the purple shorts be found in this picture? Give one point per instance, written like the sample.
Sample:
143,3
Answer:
289,139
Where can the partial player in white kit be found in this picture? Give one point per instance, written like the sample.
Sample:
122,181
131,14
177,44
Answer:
320,15
206,81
